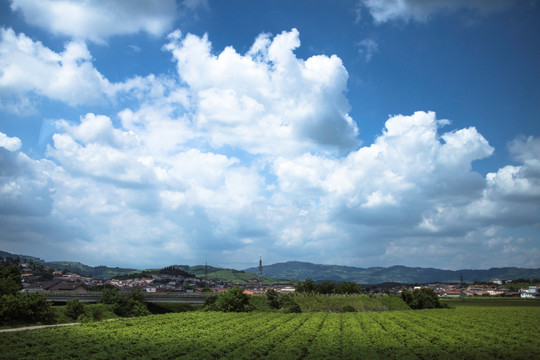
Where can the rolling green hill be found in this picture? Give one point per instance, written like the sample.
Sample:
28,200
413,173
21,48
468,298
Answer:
376,275
104,272
296,270
228,275
98,272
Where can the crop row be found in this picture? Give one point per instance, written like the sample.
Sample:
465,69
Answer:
469,333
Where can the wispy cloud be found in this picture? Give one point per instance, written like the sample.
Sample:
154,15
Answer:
420,10
367,48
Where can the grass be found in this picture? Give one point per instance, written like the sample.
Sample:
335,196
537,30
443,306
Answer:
336,303
490,301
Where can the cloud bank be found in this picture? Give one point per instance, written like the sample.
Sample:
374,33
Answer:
97,21
237,156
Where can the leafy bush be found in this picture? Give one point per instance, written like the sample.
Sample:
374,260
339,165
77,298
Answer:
10,280
422,299
17,307
288,305
307,286
348,308
125,305
97,311
234,300
25,308
272,298
74,309
328,287
108,295
283,302
139,309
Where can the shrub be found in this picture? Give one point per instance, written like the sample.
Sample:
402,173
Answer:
348,308
234,300
25,308
139,309
10,280
74,308
108,295
291,308
97,311
288,305
422,299
272,298
125,305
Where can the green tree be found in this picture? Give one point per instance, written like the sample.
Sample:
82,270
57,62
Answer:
139,309
108,295
74,308
307,286
273,299
233,300
10,280
122,305
125,305
136,295
25,308
348,287
325,287
288,305
97,311
422,299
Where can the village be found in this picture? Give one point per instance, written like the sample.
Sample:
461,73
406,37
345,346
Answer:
33,280
189,283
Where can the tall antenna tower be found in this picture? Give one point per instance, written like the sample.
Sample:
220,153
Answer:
260,280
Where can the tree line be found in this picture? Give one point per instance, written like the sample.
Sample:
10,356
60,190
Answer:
328,287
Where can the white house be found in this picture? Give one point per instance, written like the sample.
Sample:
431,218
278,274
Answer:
531,292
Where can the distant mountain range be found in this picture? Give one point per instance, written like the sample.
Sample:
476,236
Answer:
297,270
376,275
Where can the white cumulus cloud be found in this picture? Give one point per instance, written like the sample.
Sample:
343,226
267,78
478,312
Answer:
266,99
10,143
255,153
98,20
29,67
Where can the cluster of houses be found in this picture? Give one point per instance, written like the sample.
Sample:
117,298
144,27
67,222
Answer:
151,284
494,288
191,284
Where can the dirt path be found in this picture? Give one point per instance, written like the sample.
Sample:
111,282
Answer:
37,327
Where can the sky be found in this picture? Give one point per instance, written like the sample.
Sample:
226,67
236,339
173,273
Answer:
364,133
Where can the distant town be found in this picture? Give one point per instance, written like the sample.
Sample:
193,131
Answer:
40,278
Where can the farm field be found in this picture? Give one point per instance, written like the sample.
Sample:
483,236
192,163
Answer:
465,332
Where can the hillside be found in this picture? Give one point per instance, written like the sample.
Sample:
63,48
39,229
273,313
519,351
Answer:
105,273
228,275
297,270
98,272
375,275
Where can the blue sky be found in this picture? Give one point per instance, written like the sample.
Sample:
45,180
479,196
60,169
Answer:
362,133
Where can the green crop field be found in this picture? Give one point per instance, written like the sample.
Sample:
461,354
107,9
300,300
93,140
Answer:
464,332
